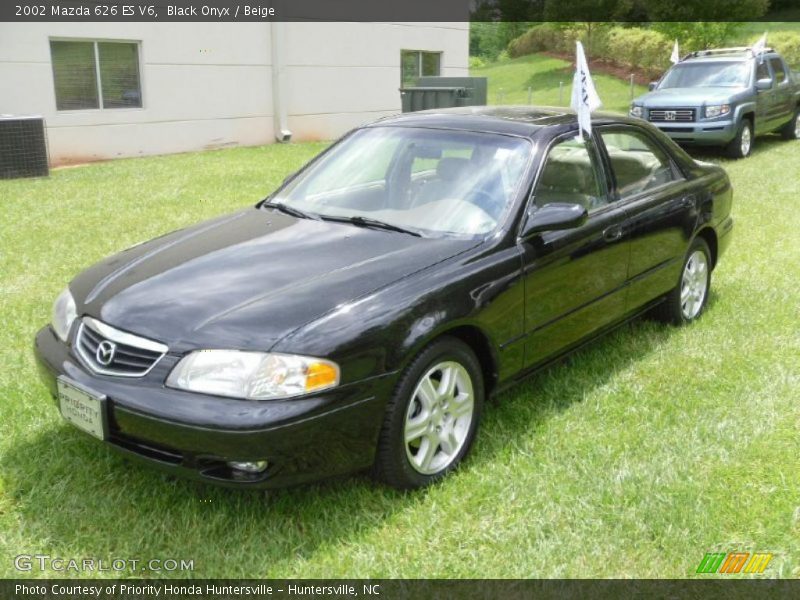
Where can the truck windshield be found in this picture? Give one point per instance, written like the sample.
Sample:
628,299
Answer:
710,74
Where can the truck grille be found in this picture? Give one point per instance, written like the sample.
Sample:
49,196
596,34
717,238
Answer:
672,115
109,351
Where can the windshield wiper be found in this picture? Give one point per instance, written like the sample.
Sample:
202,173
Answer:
290,210
367,222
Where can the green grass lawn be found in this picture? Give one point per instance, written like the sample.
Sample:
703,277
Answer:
510,79
634,458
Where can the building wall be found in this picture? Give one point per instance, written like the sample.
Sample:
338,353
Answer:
207,85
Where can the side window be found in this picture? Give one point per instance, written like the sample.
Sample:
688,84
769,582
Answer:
777,68
762,71
638,163
570,175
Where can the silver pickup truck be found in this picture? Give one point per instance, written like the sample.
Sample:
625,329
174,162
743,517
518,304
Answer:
724,98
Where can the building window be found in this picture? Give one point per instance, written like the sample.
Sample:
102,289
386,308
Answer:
96,74
416,63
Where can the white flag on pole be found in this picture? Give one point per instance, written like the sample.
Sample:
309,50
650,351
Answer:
584,95
760,46
676,54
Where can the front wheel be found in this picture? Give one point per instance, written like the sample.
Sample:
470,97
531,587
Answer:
742,144
791,131
432,418
687,300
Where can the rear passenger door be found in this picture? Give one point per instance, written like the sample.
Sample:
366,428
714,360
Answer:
574,279
660,206
784,98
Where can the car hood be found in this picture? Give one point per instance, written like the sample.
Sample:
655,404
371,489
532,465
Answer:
248,279
688,97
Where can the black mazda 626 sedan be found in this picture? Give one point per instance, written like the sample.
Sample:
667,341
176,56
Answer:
359,316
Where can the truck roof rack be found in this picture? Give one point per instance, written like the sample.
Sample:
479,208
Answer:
724,51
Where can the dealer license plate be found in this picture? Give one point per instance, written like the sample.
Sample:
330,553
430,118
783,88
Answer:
82,407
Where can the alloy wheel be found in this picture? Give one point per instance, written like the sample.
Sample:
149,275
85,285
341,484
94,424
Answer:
747,140
694,284
439,417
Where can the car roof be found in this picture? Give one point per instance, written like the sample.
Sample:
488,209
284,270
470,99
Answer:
508,120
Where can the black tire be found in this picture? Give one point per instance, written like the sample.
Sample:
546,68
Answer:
736,147
672,310
393,463
791,131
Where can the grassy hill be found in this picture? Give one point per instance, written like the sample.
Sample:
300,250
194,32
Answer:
510,79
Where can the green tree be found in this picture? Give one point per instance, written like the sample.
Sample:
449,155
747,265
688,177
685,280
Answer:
698,35
589,17
704,10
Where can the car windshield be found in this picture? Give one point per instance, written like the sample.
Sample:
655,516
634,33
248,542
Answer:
711,74
433,182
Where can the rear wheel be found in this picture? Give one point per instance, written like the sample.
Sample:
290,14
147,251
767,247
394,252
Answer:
687,300
791,131
742,144
432,418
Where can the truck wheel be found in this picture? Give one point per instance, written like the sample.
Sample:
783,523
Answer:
791,131
742,144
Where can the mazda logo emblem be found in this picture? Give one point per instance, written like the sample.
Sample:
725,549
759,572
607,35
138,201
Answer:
105,352
670,115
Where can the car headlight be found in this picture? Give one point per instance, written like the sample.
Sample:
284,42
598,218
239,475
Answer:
717,111
63,314
636,111
252,375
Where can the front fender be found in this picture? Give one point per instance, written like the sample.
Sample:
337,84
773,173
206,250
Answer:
381,333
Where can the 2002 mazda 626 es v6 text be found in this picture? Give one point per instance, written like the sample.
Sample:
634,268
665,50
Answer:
359,316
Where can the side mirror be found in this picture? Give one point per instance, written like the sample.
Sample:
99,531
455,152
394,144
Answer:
554,217
653,85
764,84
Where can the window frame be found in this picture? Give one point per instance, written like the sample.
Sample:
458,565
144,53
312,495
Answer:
616,199
598,164
97,75
419,53
771,62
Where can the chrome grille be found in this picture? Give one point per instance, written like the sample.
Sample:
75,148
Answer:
109,351
672,115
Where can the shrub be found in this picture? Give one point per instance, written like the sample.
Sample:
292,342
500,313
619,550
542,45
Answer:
476,62
541,38
788,44
637,48
561,38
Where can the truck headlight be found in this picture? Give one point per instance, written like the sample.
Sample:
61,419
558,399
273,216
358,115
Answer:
717,111
63,314
637,111
252,375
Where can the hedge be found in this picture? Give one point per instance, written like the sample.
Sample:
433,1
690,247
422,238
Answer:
788,44
637,48
644,50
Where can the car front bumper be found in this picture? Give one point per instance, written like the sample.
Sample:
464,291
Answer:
195,436
708,133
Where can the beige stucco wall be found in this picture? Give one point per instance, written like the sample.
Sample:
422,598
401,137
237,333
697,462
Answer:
208,85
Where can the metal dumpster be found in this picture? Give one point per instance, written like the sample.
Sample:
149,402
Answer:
443,92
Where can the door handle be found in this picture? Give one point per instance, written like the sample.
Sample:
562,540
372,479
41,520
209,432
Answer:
613,233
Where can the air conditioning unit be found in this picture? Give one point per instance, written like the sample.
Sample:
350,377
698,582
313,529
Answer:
23,147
